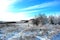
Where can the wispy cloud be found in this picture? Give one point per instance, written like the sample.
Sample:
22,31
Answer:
5,15
43,5
9,16
5,3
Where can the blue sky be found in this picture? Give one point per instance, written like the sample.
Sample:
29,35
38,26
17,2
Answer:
15,10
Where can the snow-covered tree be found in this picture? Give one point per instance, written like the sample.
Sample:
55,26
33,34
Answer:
40,19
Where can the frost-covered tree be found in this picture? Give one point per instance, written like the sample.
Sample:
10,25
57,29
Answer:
40,19
58,20
54,20
51,19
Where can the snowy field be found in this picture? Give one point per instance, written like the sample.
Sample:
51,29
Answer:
25,31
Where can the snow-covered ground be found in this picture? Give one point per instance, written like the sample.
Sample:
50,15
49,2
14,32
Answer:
23,32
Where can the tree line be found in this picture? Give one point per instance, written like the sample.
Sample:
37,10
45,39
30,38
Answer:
43,19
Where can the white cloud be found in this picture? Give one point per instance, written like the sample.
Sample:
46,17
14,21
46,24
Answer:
5,3
3,8
43,5
8,16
